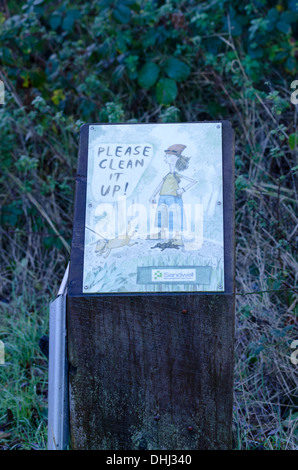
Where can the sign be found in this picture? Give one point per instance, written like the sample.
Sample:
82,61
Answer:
154,208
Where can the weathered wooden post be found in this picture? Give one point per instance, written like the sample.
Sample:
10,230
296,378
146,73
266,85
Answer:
150,302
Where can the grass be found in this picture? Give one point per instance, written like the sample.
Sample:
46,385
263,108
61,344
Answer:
266,398
23,414
265,394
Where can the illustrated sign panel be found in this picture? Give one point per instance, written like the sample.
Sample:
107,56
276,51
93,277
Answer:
154,208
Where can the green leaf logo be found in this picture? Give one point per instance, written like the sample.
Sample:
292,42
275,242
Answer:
157,274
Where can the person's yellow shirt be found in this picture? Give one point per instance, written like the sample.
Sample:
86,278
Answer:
170,184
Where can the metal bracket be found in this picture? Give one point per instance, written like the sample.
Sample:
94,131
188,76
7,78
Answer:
58,405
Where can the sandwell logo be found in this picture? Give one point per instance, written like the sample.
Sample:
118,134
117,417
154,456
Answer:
173,275
157,274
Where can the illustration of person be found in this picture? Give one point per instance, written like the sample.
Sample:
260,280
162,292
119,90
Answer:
169,216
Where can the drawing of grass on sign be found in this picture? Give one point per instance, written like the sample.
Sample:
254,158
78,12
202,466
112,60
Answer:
120,274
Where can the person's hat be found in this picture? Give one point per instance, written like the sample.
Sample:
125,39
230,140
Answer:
176,149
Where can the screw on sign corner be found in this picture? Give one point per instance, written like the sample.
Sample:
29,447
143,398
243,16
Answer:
184,311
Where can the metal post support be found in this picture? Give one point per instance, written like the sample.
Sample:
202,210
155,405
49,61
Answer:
58,408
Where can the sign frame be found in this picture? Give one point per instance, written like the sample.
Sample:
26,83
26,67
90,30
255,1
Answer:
77,248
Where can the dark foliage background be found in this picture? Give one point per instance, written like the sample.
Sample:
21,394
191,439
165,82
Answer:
64,63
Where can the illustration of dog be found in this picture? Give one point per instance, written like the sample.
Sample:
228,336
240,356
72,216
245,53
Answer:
105,246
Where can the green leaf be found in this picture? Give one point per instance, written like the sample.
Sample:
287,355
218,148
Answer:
292,5
176,69
52,241
232,25
55,21
170,114
105,3
69,19
293,139
148,75
291,420
241,183
288,17
283,27
9,214
58,96
122,14
166,91
272,15
291,64
271,19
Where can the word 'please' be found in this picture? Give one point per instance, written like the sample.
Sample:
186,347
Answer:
124,151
